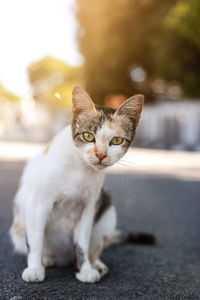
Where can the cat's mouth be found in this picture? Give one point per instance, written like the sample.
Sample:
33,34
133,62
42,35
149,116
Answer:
100,165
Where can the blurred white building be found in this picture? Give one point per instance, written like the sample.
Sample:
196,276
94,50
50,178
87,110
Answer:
166,125
170,125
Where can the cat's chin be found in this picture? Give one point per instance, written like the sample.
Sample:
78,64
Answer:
98,167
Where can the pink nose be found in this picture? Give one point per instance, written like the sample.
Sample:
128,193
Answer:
101,156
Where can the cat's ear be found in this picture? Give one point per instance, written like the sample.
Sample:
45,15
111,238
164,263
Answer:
132,108
81,101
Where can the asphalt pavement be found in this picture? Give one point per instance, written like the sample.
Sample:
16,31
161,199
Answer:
162,205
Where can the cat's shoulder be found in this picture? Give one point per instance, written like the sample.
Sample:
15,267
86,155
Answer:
53,150
60,141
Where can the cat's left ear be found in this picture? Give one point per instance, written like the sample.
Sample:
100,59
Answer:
81,101
132,108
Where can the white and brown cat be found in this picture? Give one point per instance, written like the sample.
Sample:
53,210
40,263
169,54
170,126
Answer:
61,212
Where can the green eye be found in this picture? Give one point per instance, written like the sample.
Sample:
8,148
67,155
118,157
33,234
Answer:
117,140
88,137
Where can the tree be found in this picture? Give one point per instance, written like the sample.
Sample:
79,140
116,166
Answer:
117,36
128,44
180,50
52,81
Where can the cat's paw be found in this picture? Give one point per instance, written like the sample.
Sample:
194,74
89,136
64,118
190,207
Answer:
88,275
101,267
33,274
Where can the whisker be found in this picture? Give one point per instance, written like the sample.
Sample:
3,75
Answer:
123,164
128,157
130,161
132,155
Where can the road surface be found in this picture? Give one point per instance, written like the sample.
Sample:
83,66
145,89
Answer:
165,205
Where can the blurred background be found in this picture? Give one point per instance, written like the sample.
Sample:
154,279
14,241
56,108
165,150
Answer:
113,49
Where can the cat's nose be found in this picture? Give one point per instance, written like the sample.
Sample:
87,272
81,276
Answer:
101,156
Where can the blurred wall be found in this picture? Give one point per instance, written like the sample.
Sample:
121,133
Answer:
170,125
165,125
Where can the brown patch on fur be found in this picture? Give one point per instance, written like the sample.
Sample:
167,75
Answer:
107,241
120,131
17,227
110,125
48,261
103,204
115,124
48,146
95,148
96,254
127,126
91,151
79,257
103,141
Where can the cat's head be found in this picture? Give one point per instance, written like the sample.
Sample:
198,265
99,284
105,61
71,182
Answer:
103,134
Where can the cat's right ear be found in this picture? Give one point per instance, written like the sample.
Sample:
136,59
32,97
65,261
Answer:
132,108
81,101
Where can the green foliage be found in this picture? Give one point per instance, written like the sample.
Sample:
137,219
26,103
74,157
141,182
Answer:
161,37
114,37
52,81
184,18
181,49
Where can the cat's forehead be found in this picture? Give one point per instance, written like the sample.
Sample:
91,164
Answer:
104,121
110,128
93,122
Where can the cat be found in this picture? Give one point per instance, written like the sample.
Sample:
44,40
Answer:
61,211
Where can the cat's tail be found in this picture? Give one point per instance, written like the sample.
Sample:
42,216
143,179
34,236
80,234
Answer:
141,238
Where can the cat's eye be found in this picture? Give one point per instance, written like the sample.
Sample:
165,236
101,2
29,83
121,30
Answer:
117,140
88,137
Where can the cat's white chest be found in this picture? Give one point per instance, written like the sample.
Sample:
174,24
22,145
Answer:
80,185
75,184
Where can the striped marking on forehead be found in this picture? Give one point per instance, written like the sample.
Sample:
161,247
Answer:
91,123
115,127
109,130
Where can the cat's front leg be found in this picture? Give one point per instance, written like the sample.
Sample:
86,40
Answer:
82,235
37,211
